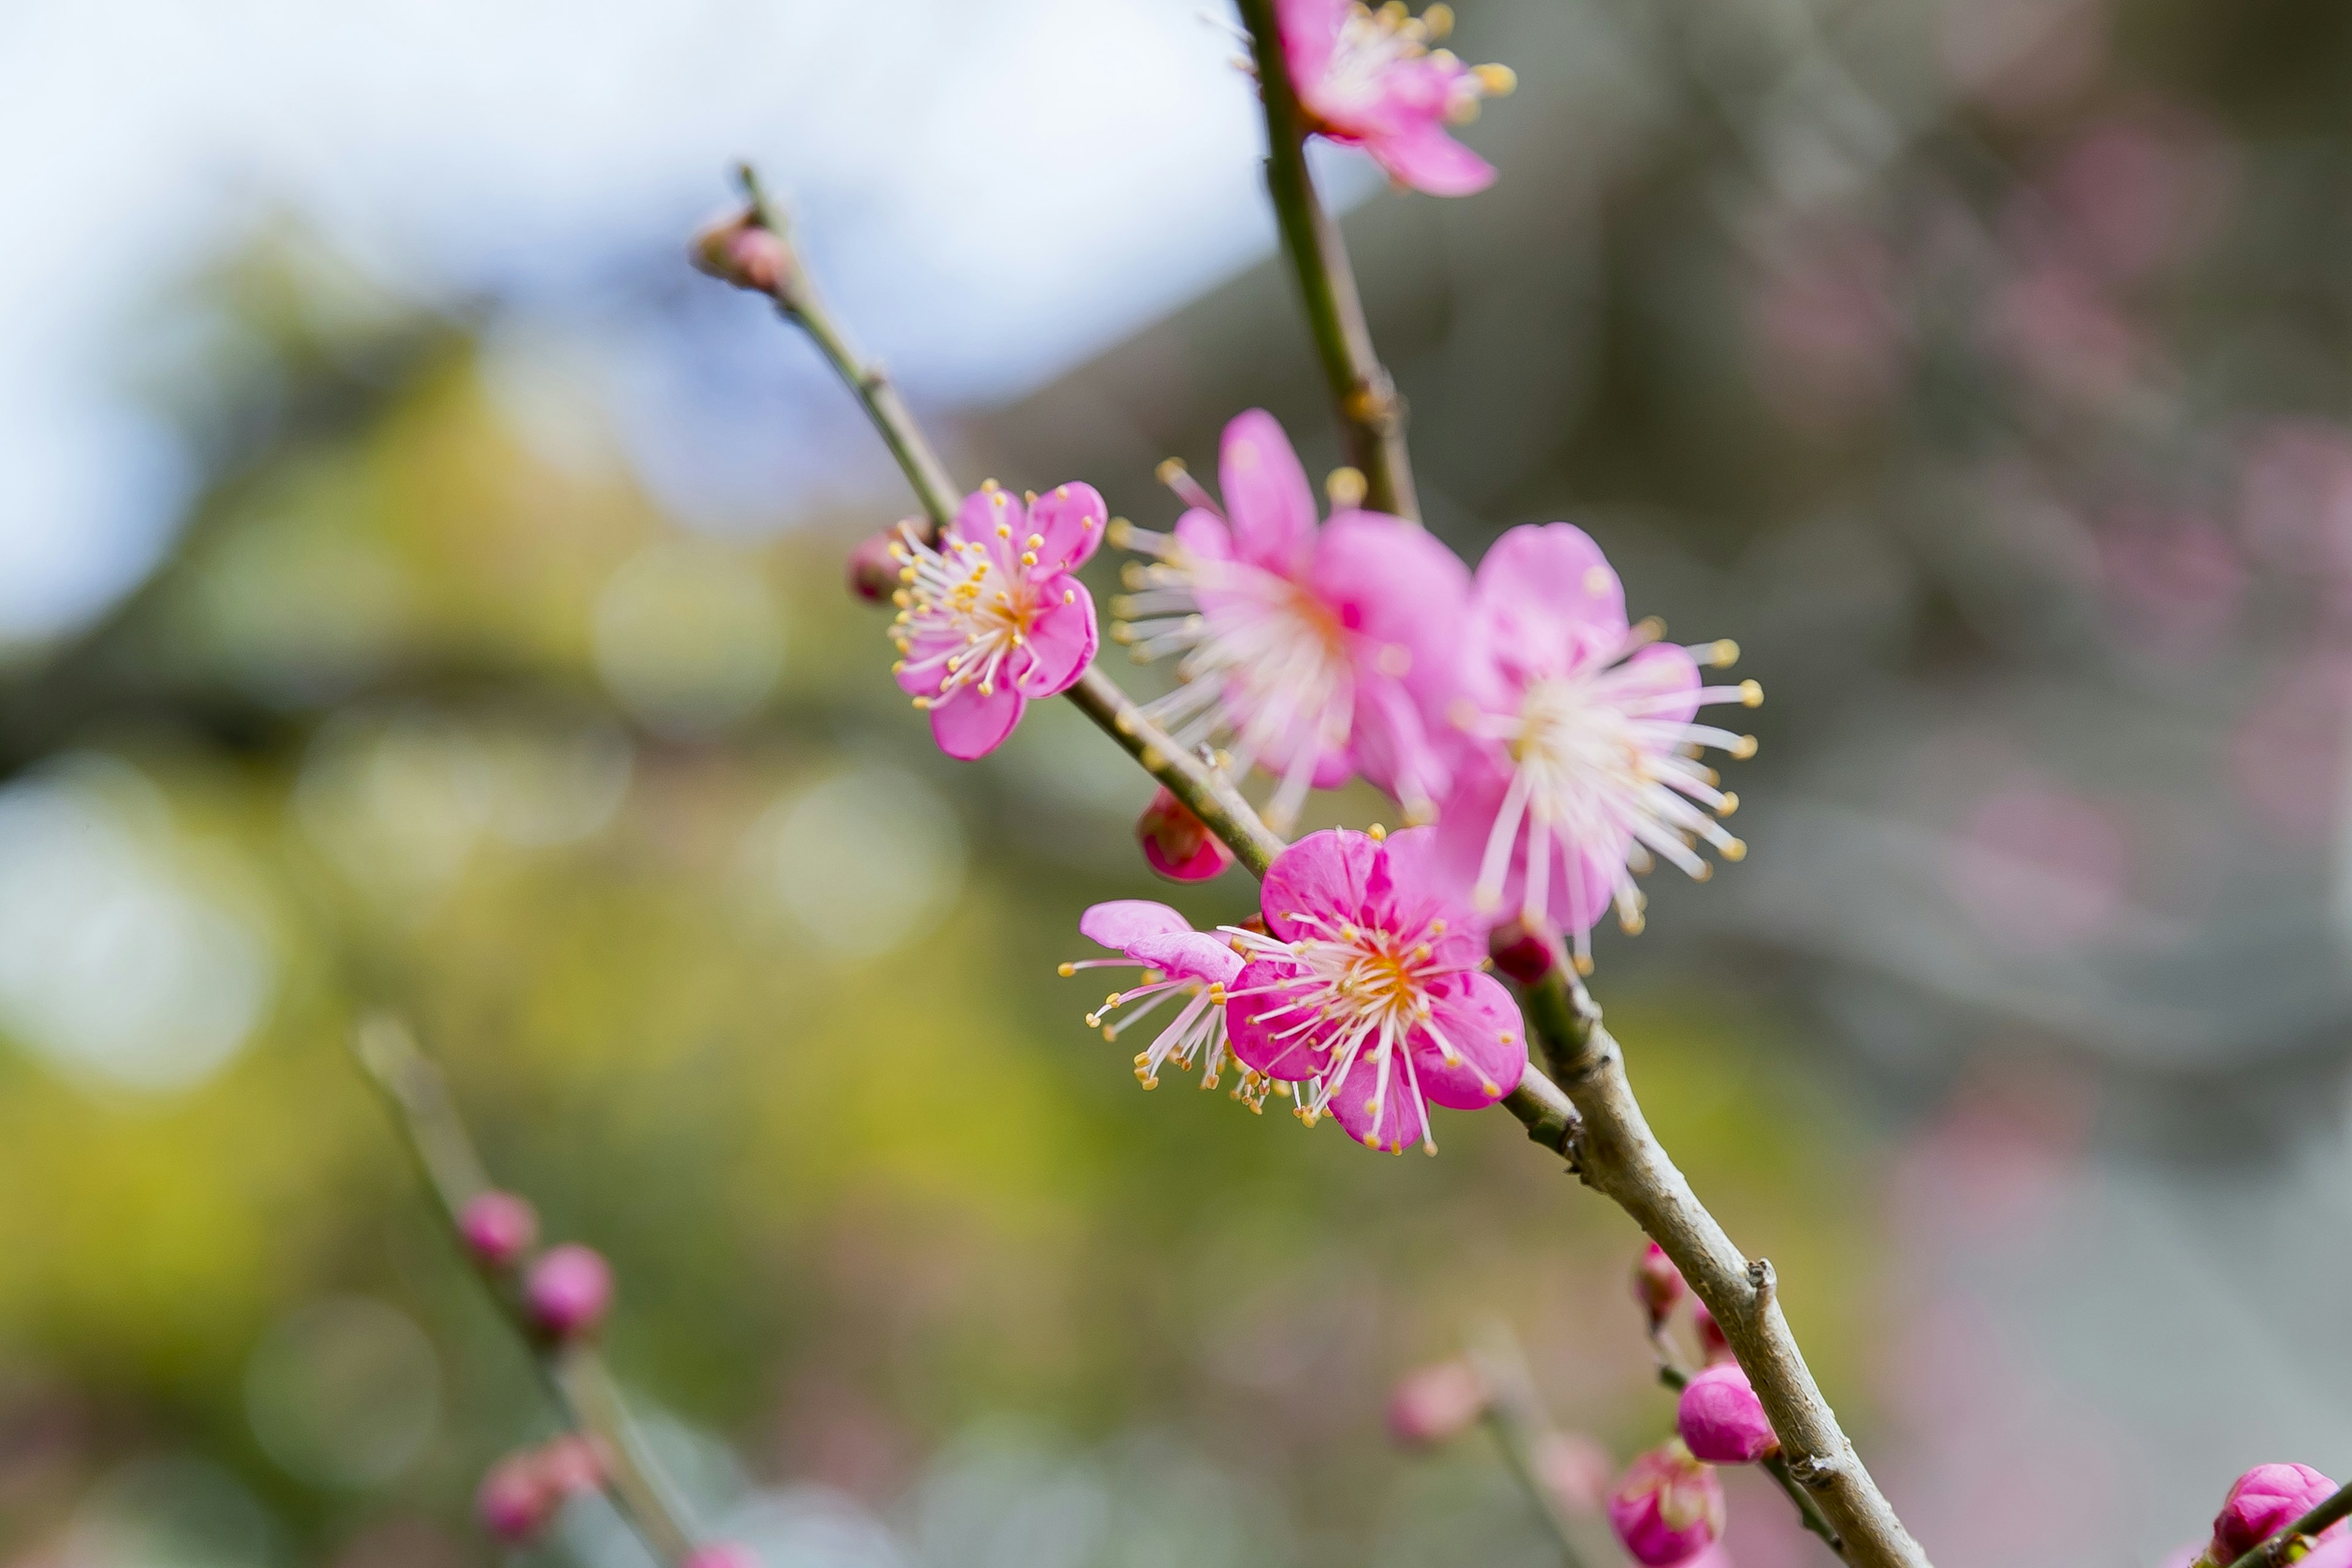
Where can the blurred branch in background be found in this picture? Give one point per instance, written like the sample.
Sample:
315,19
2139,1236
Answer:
575,1374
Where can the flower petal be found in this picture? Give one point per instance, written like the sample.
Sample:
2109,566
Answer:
1424,157
1205,534
1124,920
1476,1017
994,518
1400,593
923,668
1070,519
1310,32
1188,955
1062,639
1268,503
1659,672
1545,603
1578,880
1401,1118
1321,876
968,725
1256,1023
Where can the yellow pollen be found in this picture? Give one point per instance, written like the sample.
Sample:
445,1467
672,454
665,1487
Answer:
1498,82
1378,835
1730,804
1736,850
1724,654
1751,694
1066,970
1745,749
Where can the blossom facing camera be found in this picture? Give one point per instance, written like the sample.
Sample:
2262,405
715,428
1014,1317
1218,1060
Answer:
994,615
514,1502
1578,733
1657,1285
499,1229
1178,962
1366,987
1721,1420
1309,651
2264,1500
569,1291
1369,79
1177,843
1667,1508
1438,1404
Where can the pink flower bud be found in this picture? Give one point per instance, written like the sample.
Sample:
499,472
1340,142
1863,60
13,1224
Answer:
736,249
1437,1403
1574,1469
1721,1419
1524,951
569,1291
1177,843
723,1555
1657,1285
513,1502
1667,1508
570,1465
2262,1500
499,1229
874,571
1711,1343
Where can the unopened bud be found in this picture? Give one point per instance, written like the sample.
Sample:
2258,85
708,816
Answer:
1438,1403
513,1503
873,570
2261,1502
570,1466
723,1555
1177,843
569,1291
1574,1469
737,248
1711,1341
1721,1420
1658,1285
499,1229
1667,1508
1524,951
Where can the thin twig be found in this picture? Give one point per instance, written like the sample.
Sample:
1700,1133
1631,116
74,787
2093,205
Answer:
1584,1110
575,1375
2271,1552
1515,1417
1371,415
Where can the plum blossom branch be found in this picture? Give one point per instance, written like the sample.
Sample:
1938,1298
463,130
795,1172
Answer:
2273,1551
575,1375
1371,415
1516,1414
1585,1111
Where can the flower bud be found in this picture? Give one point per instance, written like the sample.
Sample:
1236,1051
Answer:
569,1291
1721,1420
2262,1500
499,1229
1437,1403
736,248
1524,951
723,1554
1711,1343
873,570
1574,1469
1667,1508
571,1465
513,1502
1657,1285
1177,843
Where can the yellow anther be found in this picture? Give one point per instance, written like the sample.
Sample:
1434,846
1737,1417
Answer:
923,702
897,667
1705,871
1111,1000
1029,558
1061,492
1070,595
1736,850
1744,748
902,598
1029,496
1650,628
988,486
1170,470
1751,694
1438,19
1496,81
1122,633
1346,488
1004,529
1630,922
1122,532
1582,963
1130,577
1437,928
1378,835
1036,540
1724,654
1507,1037
1066,970
1730,804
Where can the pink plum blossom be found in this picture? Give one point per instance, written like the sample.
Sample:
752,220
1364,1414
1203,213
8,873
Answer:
498,1227
2263,1501
1667,1508
1657,1285
1367,985
1576,768
996,614
1313,650
1177,843
1369,79
1721,1420
1177,961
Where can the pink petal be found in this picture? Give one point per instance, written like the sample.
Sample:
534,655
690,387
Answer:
1545,603
1062,639
1254,1022
1577,886
1422,890
1188,955
994,517
1071,519
1125,920
1429,159
922,670
1322,876
1402,1118
1402,594
1659,670
1389,744
1310,31
969,726
1474,1012
1204,533
1268,503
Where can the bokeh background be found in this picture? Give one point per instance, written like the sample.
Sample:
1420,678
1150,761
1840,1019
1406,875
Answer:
421,590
